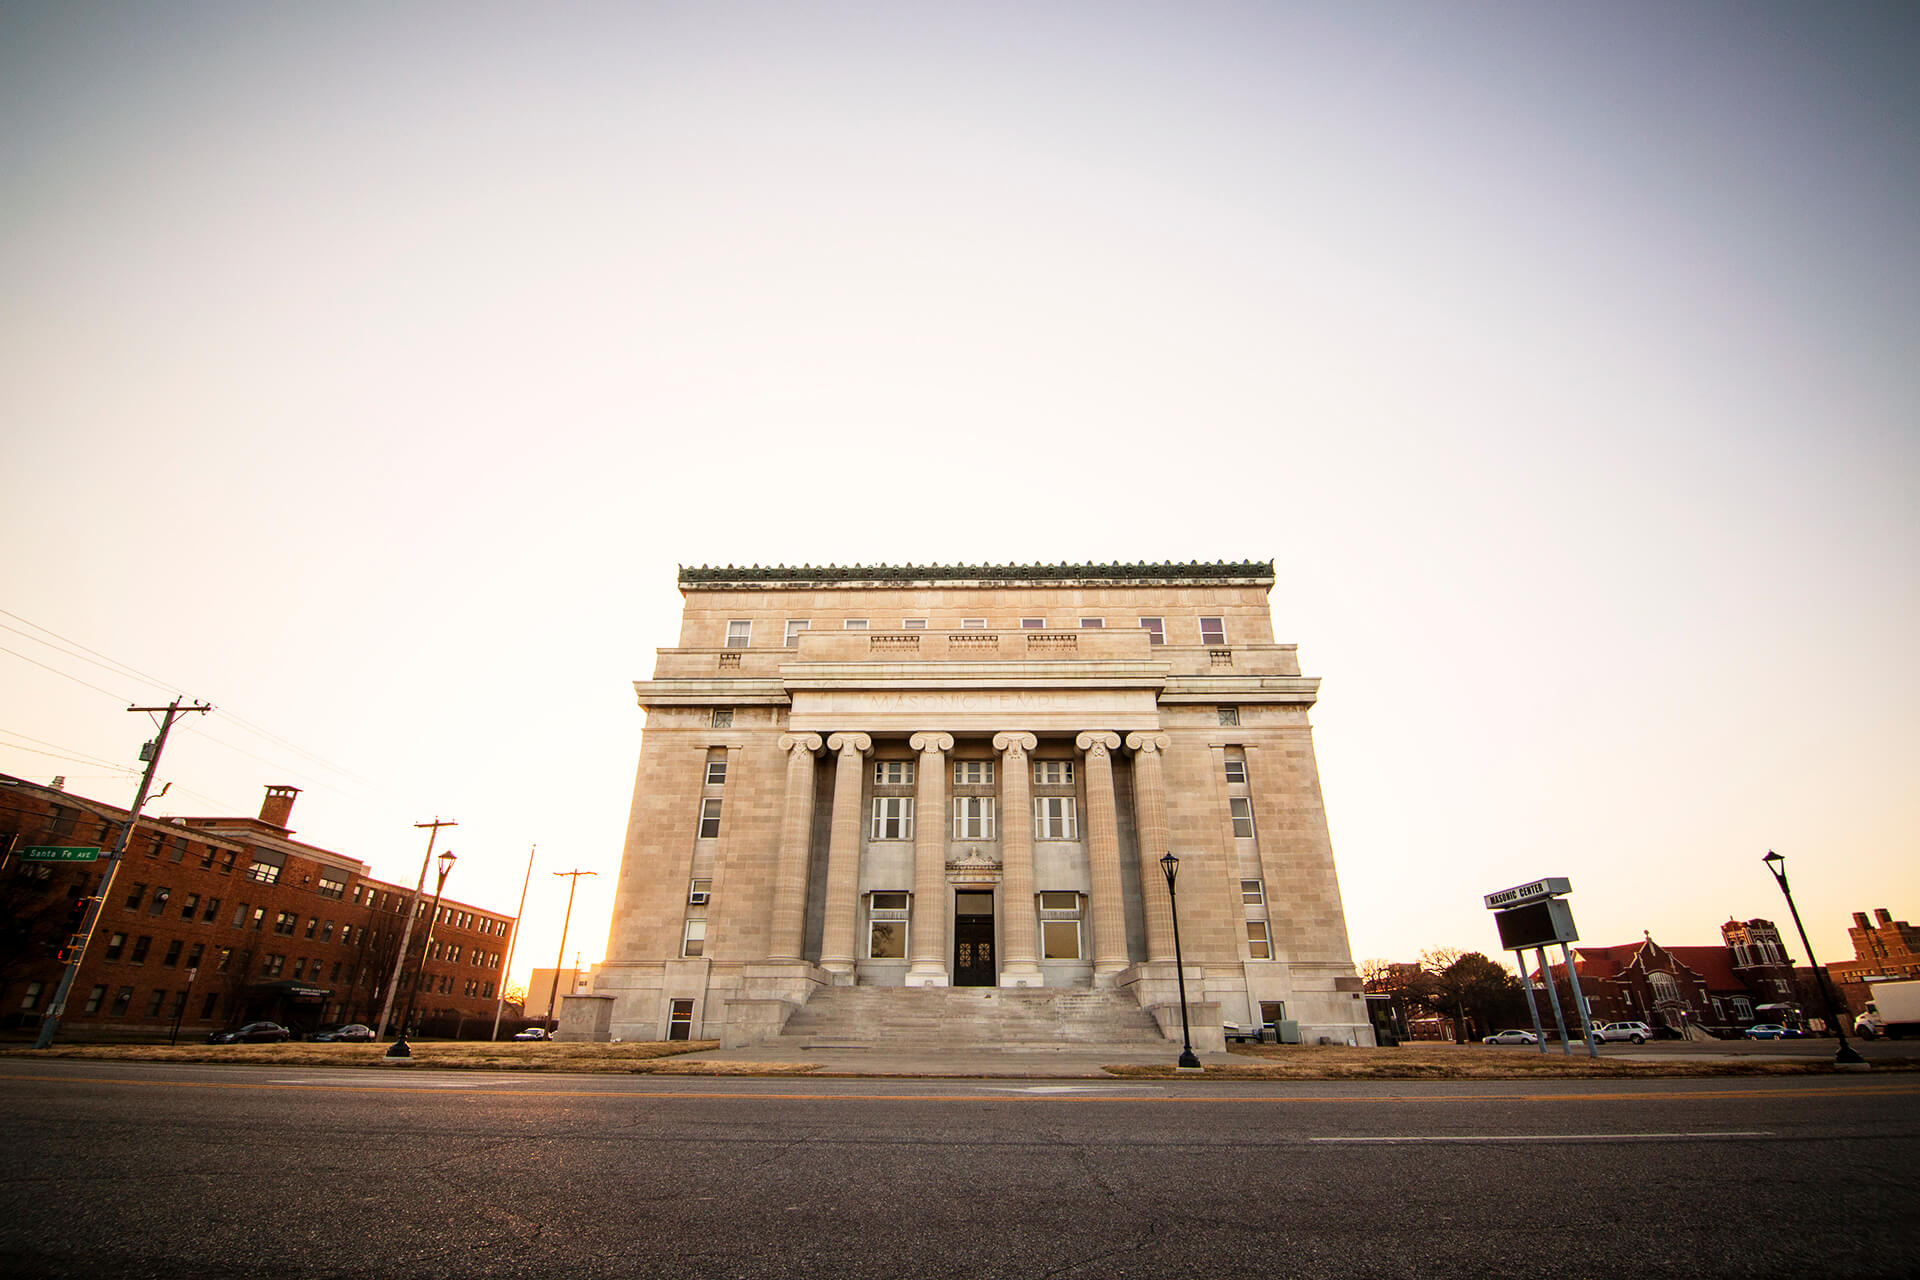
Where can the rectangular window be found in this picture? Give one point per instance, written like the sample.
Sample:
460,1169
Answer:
227,857
134,896
121,999
737,633
794,627
913,624
211,1003
264,872
693,942
273,966
115,945
1092,624
973,817
140,945
189,905
1253,893
1059,939
1236,772
973,624
300,969
326,931
153,1005
1259,946
1054,818
1213,631
32,996
313,923
854,624
893,773
1033,624
973,773
94,997
1156,629
1229,715
887,926
259,918
174,948
285,923
699,891
160,897
716,773
193,956
709,819
331,887
213,909
226,959
1053,773
1242,810
892,818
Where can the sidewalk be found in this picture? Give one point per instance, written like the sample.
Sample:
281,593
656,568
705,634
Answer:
1075,1062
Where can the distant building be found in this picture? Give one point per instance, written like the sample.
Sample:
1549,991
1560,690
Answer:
541,988
214,922
1883,949
1698,992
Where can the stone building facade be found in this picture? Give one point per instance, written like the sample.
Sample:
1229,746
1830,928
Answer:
968,775
217,921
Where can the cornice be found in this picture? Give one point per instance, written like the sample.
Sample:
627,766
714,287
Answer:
1246,573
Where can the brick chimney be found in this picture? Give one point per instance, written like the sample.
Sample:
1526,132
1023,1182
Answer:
1860,920
1882,916
278,806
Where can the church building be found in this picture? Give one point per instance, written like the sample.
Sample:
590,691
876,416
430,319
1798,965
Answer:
966,778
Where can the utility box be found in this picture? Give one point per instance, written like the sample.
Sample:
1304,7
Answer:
1287,1031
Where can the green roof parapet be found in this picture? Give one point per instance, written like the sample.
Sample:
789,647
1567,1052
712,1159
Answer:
1244,572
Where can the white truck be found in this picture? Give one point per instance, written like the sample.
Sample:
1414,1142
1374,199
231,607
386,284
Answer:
1893,1012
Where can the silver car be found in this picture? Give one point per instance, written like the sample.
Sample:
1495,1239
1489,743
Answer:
1638,1032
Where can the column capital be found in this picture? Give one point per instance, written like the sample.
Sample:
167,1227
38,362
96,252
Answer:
1015,742
1148,743
794,743
850,744
931,742
1097,742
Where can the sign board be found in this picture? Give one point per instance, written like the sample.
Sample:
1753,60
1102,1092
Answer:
1550,887
1537,924
59,853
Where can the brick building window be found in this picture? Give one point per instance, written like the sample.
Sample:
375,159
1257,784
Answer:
189,905
140,945
331,887
160,897
121,999
95,996
115,944
135,894
174,948
264,872
153,1005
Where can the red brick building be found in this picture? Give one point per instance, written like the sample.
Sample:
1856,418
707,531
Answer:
212,922
1884,949
1694,991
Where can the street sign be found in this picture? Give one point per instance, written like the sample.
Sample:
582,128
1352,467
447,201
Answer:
1550,887
59,853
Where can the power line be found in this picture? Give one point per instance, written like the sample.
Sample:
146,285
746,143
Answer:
59,752
124,669
117,697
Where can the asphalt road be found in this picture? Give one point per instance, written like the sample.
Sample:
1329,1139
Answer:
130,1170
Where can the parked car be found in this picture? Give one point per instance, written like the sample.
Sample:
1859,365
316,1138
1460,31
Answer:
1771,1031
252,1033
1638,1032
351,1031
1512,1037
533,1033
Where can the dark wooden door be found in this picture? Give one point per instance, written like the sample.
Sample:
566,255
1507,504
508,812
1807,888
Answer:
973,964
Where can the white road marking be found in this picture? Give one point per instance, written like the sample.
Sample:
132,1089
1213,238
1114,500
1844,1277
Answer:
418,1082
1557,1137
1070,1088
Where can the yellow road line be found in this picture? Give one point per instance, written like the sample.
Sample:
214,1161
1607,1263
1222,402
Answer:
1862,1091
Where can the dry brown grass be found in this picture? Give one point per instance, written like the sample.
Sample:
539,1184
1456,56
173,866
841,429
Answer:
1478,1062
471,1055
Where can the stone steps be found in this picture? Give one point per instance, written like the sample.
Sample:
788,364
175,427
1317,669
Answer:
956,1019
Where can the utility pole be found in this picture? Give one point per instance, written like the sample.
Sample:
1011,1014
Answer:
77,945
406,931
500,1003
554,994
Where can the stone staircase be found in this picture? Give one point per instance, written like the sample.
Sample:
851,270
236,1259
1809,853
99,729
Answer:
959,1019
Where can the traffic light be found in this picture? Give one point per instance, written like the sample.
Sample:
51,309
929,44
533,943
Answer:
65,955
77,911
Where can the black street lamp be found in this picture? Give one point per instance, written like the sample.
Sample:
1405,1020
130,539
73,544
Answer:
1171,865
400,1048
1847,1057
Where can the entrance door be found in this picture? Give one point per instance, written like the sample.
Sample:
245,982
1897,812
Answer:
973,964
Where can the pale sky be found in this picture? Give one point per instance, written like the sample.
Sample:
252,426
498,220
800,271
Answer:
366,370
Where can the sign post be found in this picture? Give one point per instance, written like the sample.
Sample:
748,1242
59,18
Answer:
1534,915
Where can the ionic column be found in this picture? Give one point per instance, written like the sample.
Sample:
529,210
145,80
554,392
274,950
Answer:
1108,915
1019,941
843,852
796,835
929,929
1150,816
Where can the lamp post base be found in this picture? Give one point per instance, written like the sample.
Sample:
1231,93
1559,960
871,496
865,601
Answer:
1849,1057
400,1049
1188,1060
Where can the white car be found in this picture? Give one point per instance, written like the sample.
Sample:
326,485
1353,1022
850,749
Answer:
1511,1037
1638,1032
533,1033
